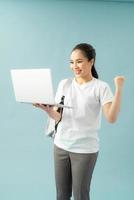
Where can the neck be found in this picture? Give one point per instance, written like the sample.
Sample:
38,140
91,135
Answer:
82,80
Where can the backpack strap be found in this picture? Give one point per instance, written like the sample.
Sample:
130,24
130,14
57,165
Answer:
60,110
51,125
66,85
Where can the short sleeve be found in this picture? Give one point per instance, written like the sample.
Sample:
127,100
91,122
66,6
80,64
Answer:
59,92
106,94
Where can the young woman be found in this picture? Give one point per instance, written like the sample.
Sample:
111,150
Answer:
76,143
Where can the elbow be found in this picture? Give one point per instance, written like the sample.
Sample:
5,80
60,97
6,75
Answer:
112,120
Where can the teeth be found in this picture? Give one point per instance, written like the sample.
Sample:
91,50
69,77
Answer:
78,71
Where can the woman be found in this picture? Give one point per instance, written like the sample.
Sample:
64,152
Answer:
76,143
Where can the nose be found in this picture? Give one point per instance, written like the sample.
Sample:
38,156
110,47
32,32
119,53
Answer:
75,65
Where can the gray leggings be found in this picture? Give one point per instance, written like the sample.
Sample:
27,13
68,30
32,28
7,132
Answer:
73,171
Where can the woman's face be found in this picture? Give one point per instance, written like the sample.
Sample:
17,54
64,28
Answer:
80,65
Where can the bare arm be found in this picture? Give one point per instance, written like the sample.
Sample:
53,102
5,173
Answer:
50,110
111,110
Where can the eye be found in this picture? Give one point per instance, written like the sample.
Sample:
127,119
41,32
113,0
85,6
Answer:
80,61
71,62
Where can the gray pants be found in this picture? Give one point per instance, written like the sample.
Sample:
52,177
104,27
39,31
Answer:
73,171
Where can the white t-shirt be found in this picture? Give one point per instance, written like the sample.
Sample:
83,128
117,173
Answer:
78,129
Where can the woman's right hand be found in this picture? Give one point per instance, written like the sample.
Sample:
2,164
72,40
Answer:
50,110
44,107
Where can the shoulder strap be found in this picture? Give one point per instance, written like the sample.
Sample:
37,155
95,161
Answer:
51,126
65,88
66,85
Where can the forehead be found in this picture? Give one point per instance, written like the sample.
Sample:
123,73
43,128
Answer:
77,54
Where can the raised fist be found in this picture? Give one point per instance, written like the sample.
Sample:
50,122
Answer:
119,81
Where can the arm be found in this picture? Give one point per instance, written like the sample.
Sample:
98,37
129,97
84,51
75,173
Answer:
111,110
50,110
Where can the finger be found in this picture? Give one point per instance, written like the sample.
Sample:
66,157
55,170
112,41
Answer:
35,104
44,107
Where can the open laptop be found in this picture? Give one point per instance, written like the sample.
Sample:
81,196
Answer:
34,86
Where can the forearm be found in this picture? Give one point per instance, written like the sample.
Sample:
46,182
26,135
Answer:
115,105
51,111
55,115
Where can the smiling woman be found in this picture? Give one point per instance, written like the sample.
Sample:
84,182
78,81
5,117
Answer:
84,55
76,143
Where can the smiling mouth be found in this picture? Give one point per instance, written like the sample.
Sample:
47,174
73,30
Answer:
78,71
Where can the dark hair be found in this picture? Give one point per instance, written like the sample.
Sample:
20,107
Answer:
89,53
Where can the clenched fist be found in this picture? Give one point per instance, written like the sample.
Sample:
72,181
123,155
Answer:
119,81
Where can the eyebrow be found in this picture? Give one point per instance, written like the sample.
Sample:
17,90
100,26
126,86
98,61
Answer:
76,59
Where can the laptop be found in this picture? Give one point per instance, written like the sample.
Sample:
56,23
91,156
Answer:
34,86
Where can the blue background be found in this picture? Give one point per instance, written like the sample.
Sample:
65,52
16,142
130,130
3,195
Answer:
36,34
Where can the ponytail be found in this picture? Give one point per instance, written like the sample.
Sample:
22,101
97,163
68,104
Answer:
94,72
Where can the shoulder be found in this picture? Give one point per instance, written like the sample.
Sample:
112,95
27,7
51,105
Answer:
101,84
64,81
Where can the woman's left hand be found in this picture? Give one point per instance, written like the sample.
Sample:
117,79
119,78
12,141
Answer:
119,81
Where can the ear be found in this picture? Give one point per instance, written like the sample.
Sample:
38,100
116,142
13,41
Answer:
92,61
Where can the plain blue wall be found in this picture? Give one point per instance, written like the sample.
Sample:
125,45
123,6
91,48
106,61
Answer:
36,34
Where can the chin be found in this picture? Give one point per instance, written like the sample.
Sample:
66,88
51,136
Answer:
78,76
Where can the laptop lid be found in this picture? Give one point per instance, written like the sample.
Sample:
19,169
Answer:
33,85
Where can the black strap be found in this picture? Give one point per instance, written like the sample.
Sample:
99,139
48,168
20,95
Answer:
60,110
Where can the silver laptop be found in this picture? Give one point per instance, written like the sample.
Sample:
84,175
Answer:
33,86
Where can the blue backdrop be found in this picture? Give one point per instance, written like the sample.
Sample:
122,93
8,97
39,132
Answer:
35,34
